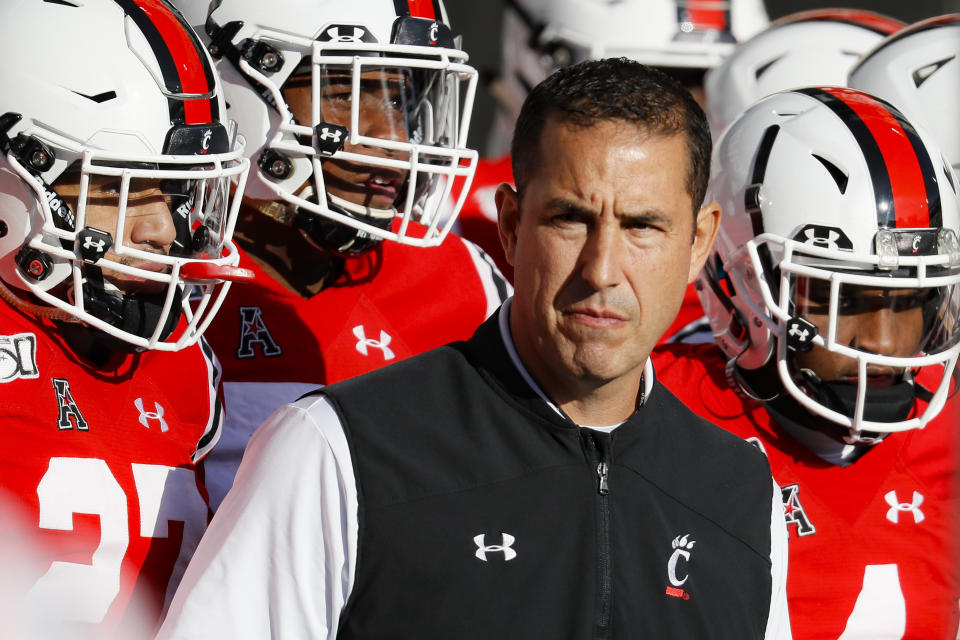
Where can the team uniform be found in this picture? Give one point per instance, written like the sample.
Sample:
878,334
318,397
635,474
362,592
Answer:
484,512
873,550
389,304
101,464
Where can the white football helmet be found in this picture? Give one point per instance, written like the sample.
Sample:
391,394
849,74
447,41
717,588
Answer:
918,70
834,206
116,162
808,48
540,36
336,49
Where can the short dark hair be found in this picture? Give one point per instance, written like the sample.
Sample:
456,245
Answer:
595,91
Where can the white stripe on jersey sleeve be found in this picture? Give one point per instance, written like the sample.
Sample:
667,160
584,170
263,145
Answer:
495,286
778,618
214,427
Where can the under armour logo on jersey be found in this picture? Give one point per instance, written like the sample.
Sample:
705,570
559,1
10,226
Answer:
330,138
893,514
793,511
822,237
254,331
18,357
67,407
147,416
364,343
506,548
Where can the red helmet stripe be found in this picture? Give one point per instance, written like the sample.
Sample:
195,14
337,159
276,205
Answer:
423,9
871,20
188,61
184,67
705,14
909,189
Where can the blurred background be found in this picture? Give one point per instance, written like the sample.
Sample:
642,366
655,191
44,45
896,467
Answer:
479,23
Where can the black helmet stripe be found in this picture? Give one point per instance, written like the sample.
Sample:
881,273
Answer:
182,60
900,166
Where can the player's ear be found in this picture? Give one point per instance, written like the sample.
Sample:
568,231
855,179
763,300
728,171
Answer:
705,232
508,218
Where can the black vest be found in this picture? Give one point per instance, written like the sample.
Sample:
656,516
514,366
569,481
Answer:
484,514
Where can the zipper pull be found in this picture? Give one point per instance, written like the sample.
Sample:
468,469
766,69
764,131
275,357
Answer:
602,473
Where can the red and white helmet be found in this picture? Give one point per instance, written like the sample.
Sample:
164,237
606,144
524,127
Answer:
136,109
803,49
261,45
540,36
829,193
918,70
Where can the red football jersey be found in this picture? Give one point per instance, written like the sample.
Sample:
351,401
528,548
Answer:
873,545
478,217
478,223
99,468
393,302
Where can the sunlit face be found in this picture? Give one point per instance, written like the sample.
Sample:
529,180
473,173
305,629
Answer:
886,322
148,224
602,252
382,114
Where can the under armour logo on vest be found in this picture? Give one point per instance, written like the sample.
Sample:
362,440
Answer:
254,331
364,343
68,408
893,514
506,548
147,416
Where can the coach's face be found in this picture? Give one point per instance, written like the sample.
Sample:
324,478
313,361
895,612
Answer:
603,244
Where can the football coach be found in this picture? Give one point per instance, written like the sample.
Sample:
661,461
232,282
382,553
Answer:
535,481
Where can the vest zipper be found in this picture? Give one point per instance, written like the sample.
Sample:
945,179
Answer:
600,452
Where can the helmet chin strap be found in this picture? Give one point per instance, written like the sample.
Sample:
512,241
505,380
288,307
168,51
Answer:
137,314
892,403
326,234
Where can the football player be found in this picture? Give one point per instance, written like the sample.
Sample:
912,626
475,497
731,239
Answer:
116,214
833,293
540,36
355,117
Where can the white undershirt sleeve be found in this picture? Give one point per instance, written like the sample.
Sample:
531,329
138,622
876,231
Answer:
778,621
278,558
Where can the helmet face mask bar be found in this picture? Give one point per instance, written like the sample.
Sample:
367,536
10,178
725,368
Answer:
120,181
374,124
834,284
134,288
830,312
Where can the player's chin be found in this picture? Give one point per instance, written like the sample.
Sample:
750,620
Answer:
135,285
